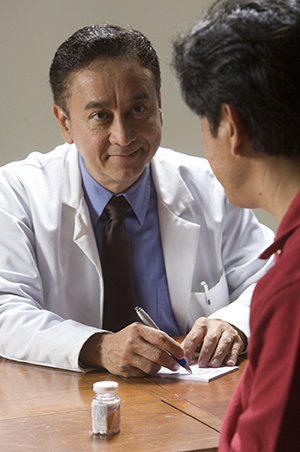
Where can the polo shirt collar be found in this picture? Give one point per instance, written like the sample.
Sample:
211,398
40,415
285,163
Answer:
289,223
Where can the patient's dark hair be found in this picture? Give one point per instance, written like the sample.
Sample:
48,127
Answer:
246,54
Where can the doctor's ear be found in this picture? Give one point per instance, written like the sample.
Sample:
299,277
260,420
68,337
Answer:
161,116
160,109
64,123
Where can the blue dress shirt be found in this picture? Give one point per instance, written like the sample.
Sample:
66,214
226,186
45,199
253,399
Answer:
142,223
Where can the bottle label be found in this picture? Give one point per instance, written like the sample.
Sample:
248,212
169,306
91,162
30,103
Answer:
99,416
106,419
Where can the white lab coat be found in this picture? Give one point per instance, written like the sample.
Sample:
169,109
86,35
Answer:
51,286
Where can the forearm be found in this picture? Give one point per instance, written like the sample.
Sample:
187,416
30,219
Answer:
38,336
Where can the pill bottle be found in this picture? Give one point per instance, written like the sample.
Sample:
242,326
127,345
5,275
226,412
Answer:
106,408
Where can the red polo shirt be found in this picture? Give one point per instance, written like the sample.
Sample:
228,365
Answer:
264,413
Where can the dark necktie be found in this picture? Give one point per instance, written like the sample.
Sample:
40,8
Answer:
119,300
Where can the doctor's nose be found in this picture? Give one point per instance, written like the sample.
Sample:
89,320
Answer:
121,133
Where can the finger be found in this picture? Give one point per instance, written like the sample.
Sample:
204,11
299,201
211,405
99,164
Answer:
228,349
140,370
233,354
207,350
193,341
163,341
140,367
224,345
146,349
165,359
155,355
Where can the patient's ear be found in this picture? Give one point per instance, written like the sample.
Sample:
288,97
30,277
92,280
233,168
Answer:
236,129
64,123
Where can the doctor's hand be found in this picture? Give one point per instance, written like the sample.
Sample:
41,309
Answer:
135,351
217,342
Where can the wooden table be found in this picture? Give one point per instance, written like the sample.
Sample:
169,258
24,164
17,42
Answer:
49,410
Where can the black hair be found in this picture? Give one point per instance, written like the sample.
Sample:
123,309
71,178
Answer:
246,54
92,42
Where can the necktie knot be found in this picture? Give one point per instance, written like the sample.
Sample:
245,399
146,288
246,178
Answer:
116,208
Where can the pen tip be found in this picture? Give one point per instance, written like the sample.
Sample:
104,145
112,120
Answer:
187,367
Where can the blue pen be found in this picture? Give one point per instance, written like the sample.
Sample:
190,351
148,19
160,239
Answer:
146,319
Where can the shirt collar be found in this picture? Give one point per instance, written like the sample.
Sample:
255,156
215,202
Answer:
138,195
289,223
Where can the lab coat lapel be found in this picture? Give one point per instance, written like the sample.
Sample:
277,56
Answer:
83,234
179,236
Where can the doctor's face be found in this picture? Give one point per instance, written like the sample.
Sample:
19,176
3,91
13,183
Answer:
114,120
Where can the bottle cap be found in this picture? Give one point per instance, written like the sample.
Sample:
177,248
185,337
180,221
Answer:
104,386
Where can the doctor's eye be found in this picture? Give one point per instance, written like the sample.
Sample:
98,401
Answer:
138,109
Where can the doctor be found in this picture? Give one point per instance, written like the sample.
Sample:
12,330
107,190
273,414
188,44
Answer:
183,231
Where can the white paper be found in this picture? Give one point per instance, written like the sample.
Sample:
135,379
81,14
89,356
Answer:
199,374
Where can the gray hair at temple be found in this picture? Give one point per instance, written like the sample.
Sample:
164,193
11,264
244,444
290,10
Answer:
246,54
90,43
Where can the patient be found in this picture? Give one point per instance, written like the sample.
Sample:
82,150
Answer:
239,71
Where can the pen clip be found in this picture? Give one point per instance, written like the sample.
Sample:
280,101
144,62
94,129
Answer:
206,291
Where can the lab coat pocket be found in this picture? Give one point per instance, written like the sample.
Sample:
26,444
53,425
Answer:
202,305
